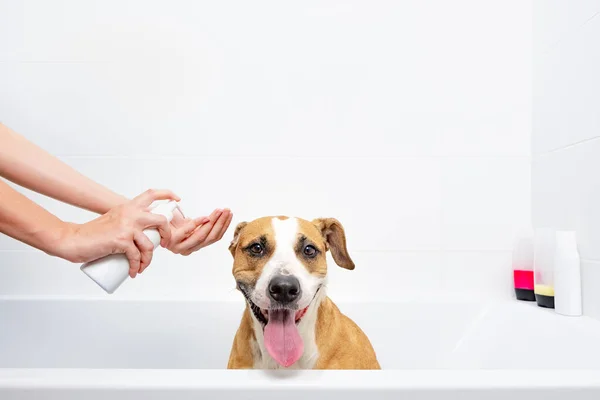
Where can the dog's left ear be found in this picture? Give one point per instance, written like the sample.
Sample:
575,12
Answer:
334,235
236,236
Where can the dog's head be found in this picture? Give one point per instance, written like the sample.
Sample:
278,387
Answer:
280,265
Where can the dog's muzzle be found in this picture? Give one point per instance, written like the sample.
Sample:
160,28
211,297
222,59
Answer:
284,289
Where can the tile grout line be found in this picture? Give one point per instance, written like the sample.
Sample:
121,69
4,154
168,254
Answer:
569,34
567,147
590,260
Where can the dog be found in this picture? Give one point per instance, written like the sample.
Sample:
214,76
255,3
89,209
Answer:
289,322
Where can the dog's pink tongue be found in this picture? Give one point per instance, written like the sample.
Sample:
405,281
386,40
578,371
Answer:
282,340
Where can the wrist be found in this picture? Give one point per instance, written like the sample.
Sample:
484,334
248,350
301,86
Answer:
63,243
110,202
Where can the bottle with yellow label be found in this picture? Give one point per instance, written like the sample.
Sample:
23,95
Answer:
543,267
544,295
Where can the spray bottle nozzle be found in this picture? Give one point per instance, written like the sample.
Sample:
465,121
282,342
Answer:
166,208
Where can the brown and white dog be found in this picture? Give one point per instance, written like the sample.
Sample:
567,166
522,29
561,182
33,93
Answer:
280,267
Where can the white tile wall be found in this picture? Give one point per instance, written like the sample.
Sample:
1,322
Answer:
13,28
590,276
485,201
479,273
566,129
566,88
556,20
566,193
408,121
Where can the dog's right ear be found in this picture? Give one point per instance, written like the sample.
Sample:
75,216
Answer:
236,236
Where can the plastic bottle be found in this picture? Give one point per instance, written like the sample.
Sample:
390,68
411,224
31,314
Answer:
543,267
522,264
567,275
111,271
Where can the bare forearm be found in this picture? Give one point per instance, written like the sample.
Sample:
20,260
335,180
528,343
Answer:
27,165
27,222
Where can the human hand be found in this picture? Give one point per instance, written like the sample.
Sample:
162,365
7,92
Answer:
119,231
190,235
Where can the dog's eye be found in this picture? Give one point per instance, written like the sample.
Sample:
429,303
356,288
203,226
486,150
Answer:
256,249
310,251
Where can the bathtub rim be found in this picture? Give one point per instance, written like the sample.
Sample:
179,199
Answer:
166,379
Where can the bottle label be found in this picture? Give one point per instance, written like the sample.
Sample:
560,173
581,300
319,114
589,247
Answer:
523,279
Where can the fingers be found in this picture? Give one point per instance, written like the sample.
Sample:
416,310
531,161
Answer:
208,233
180,240
201,220
178,219
151,195
219,228
133,255
183,232
146,249
226,226
215,215
198,238
130,219
149,220
187,235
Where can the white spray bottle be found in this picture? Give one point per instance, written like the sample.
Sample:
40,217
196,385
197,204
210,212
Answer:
567,275
111,271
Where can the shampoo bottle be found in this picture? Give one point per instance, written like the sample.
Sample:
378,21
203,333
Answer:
543,267
567,275
522,264
111,271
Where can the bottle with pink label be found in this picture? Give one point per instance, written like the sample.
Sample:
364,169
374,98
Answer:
522,264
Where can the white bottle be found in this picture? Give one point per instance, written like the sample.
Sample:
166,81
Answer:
111,271
567,275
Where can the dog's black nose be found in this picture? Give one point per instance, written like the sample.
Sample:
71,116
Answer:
284,288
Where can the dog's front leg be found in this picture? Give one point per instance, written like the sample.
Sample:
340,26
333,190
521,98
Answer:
241,356
236,361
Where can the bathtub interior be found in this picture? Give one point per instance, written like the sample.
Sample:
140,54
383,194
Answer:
198,335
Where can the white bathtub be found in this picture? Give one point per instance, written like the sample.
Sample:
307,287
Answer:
68,349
